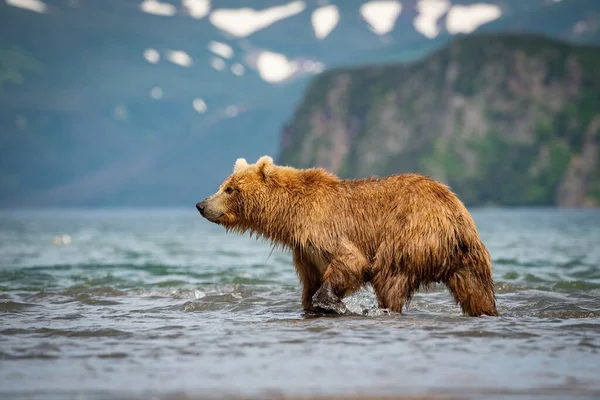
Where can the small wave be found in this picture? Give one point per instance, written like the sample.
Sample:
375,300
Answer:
250,281
28,356
518,263
14,307
494,334
568,286
515,282
82,294
154,310
89,290
505,261
508,287
90,300
113,355
234,292
199,306
512,275
170,283
69,317
22,278
587,273
588,343
567,314
582,327
533,278
227,301
48,332
228,253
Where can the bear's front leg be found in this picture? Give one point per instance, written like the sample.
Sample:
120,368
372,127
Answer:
343,276
310,278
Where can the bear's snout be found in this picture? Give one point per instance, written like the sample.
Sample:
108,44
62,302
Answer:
201,207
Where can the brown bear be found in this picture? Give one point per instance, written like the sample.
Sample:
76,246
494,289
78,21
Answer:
399,233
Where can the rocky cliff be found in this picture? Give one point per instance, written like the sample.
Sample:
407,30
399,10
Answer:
504,120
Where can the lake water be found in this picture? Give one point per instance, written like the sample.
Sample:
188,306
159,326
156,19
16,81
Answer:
160,303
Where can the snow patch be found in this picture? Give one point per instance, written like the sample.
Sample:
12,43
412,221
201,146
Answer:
217,63
232,111
199,105
381,15
221,49
157,8
197,8
238,69
465,19
179,57
152,56
156,93
245,21
274,67
31,5
324,20
429,14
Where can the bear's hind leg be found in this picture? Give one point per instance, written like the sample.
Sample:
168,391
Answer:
392,290
474,293
344,275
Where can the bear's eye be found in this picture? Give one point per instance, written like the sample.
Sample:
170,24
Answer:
229,190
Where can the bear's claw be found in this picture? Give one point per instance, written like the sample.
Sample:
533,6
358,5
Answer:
325,299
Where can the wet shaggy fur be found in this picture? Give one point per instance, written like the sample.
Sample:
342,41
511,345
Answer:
398,233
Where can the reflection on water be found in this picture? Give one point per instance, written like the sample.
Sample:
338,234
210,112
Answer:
143,302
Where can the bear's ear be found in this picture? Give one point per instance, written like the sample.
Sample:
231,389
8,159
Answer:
264,160
265,165
240,165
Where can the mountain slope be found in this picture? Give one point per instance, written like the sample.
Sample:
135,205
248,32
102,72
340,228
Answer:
509,120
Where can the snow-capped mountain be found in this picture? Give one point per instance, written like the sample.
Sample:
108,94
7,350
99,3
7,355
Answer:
149,102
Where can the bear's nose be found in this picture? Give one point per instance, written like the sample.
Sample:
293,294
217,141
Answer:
201,206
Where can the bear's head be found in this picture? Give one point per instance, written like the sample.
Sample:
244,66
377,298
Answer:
245,198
